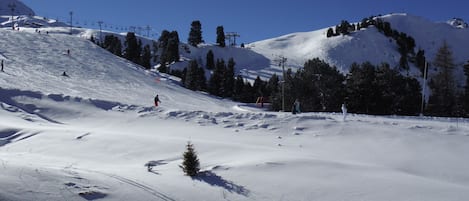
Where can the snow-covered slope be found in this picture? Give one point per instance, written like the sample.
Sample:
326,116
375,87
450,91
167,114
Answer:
32,58
366,44
89,135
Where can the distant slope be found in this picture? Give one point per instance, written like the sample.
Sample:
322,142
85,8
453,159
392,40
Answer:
19,8
366,44
23,16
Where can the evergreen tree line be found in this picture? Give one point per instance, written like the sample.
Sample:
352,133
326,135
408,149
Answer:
222,81
132,51
164,51
365,89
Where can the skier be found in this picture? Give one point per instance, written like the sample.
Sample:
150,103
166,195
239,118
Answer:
2,65
344,111
157,99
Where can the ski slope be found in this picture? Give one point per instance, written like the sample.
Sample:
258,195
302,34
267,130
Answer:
369,45
89,135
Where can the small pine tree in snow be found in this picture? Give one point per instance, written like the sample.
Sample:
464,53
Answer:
190,164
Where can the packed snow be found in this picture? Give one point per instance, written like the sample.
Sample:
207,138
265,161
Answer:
89,135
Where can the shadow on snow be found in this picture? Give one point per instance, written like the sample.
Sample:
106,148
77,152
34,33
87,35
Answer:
211,178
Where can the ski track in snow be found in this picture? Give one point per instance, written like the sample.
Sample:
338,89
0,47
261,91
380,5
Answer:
133,183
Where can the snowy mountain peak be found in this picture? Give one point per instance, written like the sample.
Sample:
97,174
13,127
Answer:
458,23
23,16
18,8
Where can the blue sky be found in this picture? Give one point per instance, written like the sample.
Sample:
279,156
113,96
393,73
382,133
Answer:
254,20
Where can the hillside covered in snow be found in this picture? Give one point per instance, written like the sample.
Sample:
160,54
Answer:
89,135
368,44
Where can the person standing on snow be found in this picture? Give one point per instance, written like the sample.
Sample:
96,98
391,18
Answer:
157,99
296,107
344,111
2,65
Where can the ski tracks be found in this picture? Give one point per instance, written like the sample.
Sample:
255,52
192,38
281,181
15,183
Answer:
141,186
136,184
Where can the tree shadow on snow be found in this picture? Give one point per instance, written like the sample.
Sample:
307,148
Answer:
215,180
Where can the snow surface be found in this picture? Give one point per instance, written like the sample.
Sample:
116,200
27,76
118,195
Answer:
88,136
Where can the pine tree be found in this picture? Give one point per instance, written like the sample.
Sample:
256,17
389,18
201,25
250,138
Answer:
238,88
210,60
201,79
216,81
169,45
191,75
229,79
330,32
139,52
146,57
195,34
360,91
466,90
272,88
163,45
131,51
420,61
154,52
259,87
172,50
220,36
190,164
442,101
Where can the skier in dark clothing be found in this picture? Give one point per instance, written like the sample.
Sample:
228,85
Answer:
157,99
2,65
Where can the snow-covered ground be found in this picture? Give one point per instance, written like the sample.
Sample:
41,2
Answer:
88,136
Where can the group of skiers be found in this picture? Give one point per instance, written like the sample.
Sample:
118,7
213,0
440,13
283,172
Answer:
295,109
